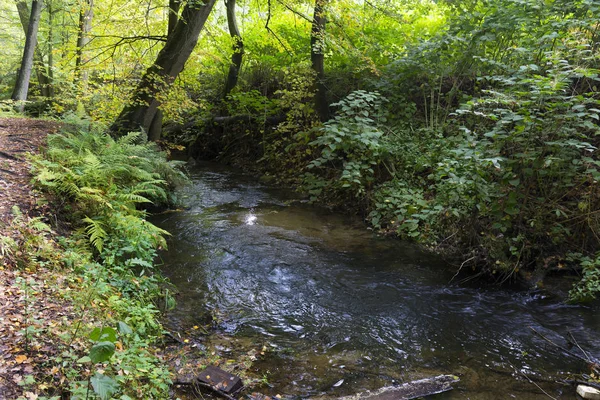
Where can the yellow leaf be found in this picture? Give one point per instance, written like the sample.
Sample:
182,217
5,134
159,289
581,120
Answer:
21,359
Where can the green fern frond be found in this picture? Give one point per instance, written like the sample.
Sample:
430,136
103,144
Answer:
38,225
132,198
130,139
95,232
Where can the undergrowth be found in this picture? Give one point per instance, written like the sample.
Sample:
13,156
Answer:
99,185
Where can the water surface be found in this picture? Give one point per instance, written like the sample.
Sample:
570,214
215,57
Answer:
332,301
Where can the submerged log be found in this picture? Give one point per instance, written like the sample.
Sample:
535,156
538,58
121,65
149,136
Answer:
410,390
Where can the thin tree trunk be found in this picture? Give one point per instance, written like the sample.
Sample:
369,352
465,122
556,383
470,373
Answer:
155,129
238,48
86,14
22,84
48,71
141,109
42,73
317,58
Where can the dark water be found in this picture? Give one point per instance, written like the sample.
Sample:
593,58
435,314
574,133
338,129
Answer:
332,301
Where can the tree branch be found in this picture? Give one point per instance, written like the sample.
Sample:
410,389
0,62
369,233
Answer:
272,32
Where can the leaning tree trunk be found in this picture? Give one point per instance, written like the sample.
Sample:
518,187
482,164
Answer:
43,76
85,26
22,84
238,48
317,58
141,109
155,128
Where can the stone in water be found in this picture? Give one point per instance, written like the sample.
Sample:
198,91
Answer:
587,392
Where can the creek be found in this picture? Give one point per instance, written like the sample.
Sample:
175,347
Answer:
332,301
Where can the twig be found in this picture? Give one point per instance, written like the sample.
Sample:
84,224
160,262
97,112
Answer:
461,265
579,347
536,385
298,13
448,238
531,381
271,30
569,352
213,389
176,339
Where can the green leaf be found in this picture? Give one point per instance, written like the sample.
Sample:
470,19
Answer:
104,334
102,352
104,386
84,359
124,328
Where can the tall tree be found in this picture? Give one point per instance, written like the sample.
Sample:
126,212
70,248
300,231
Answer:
142,108
85,26
155,129
22,83
42,73
317,58
238,48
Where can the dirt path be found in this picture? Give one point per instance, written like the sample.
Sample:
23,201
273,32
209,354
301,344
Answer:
27,301
19,136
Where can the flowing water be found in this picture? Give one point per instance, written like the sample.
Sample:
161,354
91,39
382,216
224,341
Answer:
331,301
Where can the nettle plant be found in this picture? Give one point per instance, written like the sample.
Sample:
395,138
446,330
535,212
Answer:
351,146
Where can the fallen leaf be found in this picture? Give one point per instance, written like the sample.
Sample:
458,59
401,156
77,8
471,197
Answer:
21,359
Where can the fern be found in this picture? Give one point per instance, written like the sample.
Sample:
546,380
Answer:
95,232
107,181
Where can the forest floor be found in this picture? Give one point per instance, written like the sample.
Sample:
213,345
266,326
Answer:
31,299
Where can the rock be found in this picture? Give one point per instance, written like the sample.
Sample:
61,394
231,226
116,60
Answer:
588,392
410,390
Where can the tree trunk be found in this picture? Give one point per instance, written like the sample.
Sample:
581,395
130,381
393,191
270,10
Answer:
141,109
22,84
155,129
174,6
48,73
317,58
238,48
43,76
85,26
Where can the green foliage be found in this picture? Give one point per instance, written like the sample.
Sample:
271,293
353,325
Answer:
28,245
589,286
107,181
353,142
286,146
102,183
510,177
103,386
251,103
